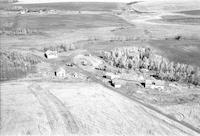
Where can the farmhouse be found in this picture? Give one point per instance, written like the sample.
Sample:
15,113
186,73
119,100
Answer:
60,72
51,54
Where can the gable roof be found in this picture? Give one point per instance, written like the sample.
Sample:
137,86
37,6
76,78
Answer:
50,52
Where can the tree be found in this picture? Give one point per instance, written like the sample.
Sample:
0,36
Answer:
137,57
146,63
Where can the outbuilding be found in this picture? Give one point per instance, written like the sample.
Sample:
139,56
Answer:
117,83
49,54
111,76
60,72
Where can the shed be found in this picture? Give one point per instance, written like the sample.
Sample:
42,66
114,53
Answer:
22,12
69,64
149,83
140,78
117,83
49,54
84,62
60,72
110,75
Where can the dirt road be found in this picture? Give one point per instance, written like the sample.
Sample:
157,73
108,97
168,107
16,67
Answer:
59,118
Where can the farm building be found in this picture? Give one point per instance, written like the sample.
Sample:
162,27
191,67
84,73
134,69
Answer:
69,64
144,70
110,75
52,11
117,83
84,62
101,67
60,72
154,84
51,54
23,11
140,78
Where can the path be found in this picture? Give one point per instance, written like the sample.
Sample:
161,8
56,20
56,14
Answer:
59,118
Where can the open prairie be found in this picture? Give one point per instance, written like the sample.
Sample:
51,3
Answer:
100,68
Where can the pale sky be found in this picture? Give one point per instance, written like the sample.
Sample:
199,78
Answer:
50,1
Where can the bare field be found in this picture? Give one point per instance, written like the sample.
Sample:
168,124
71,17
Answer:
177,19
191,12
79,108
56,22
185,51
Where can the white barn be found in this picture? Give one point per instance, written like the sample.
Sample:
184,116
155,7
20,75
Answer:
110,75
51,54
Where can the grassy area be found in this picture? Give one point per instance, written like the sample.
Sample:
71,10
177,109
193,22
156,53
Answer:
184,51
190,12
50,22
181,19
178,19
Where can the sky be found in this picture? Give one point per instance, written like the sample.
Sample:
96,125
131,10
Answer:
50,1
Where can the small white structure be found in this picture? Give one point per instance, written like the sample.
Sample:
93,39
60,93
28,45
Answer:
155,84
140,78
22,12
52,11
117,83
111,76
60,72
84,62
51,54
69,64
75,75
144,70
